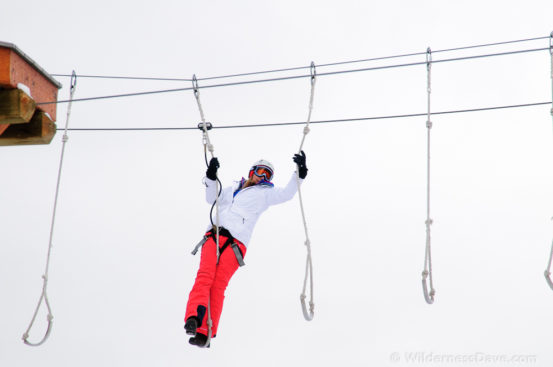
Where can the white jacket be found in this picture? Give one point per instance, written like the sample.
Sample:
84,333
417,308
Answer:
240,213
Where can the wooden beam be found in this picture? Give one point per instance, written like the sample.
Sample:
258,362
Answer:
40,130
16,67
16,107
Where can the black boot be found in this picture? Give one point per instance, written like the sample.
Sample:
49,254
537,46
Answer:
199,340
191,325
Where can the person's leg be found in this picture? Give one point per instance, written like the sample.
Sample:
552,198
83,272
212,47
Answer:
228,264
199,295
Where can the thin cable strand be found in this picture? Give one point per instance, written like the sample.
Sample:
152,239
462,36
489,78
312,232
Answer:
292,77
277,124
305,67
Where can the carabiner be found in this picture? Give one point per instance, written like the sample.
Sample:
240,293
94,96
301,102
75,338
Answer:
313,71
73,80
195,86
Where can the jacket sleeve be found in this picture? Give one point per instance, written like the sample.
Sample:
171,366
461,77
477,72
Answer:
210,190
279,195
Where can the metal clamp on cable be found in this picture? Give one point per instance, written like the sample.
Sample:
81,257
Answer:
208,126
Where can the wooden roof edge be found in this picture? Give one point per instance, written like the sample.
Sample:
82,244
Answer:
31,62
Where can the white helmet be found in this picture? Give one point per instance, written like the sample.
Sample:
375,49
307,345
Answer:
268,172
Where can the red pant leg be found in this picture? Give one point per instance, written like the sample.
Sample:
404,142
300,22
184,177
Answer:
211,282
228,264
199,295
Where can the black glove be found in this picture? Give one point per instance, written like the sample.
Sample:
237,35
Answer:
211,172
300,161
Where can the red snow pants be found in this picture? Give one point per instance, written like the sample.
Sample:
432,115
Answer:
211,281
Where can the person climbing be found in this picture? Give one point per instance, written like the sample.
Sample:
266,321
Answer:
240,206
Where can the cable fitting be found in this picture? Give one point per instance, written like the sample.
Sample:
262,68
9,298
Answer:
313,71
195,86
429,124
208,126
428,222
65,138
306,130
425,274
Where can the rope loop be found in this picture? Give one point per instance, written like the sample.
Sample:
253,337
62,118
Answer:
547,272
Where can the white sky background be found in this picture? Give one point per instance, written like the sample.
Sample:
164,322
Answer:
132,205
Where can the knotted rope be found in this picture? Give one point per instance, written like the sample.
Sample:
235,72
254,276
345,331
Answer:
308,315
427,272
44,295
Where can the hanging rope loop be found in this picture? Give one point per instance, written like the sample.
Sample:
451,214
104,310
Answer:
307,314
547,272
44,294
427,282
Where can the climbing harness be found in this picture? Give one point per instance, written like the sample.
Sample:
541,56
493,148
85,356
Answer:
208,146
308,315
44,295
229,242
547,272
427,272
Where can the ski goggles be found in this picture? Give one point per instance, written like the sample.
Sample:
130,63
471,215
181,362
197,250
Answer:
262,171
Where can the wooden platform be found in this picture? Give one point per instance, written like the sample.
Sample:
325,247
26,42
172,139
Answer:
23,84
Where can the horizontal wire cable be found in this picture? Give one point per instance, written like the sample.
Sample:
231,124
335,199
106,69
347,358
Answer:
307,67
125,77
299,76
276,124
